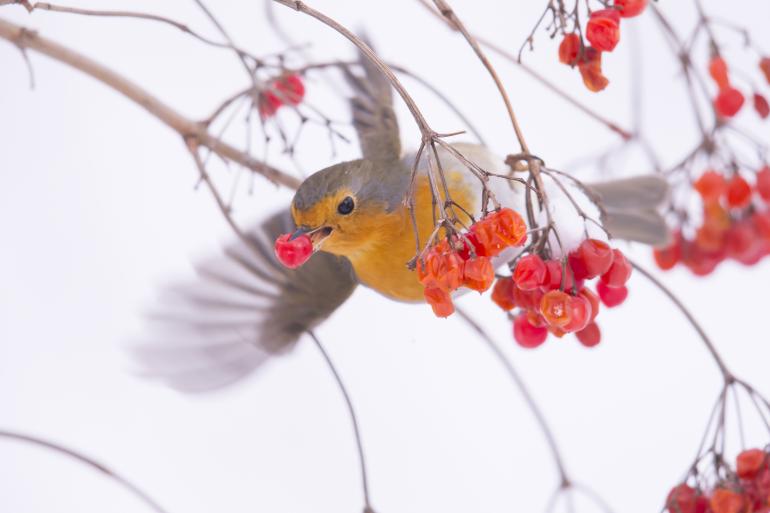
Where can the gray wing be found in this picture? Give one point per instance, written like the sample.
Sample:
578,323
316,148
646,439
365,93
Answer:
373,116
244,308
631,208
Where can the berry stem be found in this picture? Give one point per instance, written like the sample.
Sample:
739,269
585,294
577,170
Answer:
564,480
728,376
353,419
87,461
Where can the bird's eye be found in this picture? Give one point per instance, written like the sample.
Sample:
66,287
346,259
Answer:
346,206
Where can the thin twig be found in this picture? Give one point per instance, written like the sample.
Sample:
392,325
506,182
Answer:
89,462
353,419
27,39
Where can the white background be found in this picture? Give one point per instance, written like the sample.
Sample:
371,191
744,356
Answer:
98,208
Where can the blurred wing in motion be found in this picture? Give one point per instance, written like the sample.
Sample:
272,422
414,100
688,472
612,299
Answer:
244,308
373,116
631,208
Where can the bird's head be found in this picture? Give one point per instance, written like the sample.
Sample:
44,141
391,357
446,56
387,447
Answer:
346,207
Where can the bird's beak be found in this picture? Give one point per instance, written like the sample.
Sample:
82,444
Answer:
317,235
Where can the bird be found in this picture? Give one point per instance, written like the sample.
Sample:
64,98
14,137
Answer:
245,308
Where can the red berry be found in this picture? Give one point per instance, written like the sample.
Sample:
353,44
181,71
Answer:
530,272
727,501
554,307
590,67
619,272
738,192
631,8
268,104
553,276
728,102
526,334
603,29
762,184
569,49
611,296
750,462
593,300
764,66
471,239
718,71
528,299
761,223
295,252
761,106
503,293
580,314
681,499
478,274
291,89
711,185
668,257
589,336
591,259
440,301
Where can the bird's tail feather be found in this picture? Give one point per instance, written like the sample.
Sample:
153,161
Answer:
631,208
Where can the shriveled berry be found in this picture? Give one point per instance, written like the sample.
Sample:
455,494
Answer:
526,334
750,462
711,185
509,226
441,268
630,8
471,241
293,252
555,274
529,273
591,259
569,49
589,336
478,274
762,183
440,301
603,29
761,106
580,314
718,71
590,67
503,293
611,296
554,307
619,272
738,192
728,102
764,67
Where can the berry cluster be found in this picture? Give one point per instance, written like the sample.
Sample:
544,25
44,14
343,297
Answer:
747,490
465,260
730,100
603,34
293,252
552,297
736,224
284,90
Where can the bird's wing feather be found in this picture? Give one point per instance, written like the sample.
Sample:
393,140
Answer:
373,116
244,308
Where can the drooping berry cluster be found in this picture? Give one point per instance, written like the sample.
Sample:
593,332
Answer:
465,260
551,295
736,224
729,99
603,33
284,90
744,490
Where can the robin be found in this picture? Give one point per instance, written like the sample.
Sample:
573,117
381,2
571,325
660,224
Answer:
247,307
